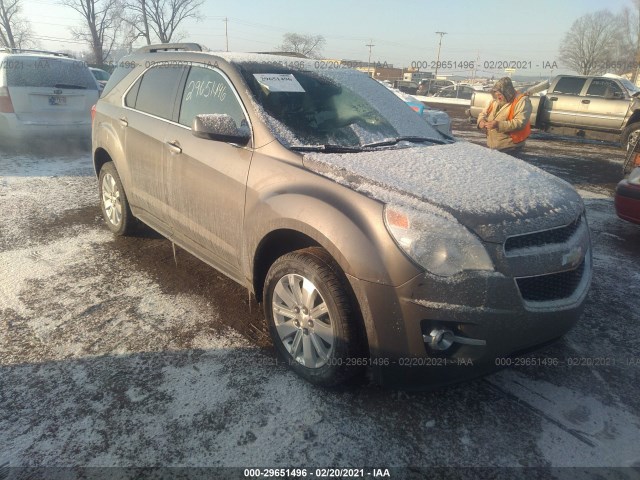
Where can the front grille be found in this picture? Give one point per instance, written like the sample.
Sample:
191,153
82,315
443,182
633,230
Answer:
546,288
540,239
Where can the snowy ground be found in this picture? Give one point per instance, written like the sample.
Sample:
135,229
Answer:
113,355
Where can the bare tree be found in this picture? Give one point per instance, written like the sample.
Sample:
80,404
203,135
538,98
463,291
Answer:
137,18
309,45
590,44
101,21
160,17
15,31
629,41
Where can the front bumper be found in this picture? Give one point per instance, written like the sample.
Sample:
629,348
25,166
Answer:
510,310
627,201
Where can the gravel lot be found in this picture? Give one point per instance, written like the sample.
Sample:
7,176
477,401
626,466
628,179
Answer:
113,353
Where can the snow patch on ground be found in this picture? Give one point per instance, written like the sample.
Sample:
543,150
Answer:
594,434
36,190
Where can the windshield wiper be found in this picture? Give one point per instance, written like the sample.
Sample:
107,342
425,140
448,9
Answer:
394,141
327,148
70,86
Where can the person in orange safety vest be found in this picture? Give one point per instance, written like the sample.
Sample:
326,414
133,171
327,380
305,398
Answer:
507,118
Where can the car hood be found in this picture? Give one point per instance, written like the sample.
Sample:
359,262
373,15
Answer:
492,193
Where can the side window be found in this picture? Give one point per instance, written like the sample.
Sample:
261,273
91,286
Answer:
601,87
157,89
130,99
569,85
207,91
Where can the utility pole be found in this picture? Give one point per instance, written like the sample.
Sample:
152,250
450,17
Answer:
442,34
370,45
226,31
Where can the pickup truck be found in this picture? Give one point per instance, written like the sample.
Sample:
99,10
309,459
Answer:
603,108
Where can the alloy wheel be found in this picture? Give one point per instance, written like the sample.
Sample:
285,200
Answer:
302,321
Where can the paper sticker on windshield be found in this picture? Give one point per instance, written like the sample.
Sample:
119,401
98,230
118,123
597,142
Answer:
279,82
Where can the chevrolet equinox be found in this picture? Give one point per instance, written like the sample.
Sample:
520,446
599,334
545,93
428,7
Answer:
373,241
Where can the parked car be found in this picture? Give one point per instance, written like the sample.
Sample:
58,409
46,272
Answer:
439,119
430,86
451,95
406,87
373,241
101,77
604,108
456,91
44,95
627,198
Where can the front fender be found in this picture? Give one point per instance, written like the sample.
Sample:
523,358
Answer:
347,224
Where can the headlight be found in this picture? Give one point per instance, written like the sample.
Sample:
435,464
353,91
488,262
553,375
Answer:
441,245
634,176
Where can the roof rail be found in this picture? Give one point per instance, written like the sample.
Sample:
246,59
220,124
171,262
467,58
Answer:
28,50
284,54
170,46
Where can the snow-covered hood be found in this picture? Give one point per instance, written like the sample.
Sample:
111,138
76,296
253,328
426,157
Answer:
492,193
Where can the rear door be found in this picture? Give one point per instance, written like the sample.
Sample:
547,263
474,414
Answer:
207,179
149,107
563,102
604,106
51,90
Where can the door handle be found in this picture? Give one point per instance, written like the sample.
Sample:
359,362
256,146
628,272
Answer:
124,122
553,99
586,101
174,147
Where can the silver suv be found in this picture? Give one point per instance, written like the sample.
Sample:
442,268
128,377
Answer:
374,241
44,95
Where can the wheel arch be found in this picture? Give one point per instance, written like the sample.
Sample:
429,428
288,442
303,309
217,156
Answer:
100,157
274,245
635,117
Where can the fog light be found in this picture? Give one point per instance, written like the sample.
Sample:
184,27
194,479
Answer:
442,339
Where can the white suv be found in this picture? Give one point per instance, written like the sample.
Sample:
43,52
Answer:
44,94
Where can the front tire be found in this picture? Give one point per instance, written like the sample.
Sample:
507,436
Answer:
113,201
310,319
630,135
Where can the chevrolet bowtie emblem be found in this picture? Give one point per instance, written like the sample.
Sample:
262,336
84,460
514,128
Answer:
573,258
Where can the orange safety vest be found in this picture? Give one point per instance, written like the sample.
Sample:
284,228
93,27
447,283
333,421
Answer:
518,135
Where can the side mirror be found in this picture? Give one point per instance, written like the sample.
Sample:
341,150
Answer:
618,95
220,127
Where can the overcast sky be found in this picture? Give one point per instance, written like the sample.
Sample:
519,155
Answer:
403,32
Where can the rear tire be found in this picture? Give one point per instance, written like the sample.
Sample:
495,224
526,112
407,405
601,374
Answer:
113,201
310,319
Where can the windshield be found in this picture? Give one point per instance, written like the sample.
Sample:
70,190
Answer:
310,105
629,86
50,72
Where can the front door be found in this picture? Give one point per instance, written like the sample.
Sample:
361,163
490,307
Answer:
207,179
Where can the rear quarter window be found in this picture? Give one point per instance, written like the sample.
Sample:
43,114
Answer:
45,72
123,69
